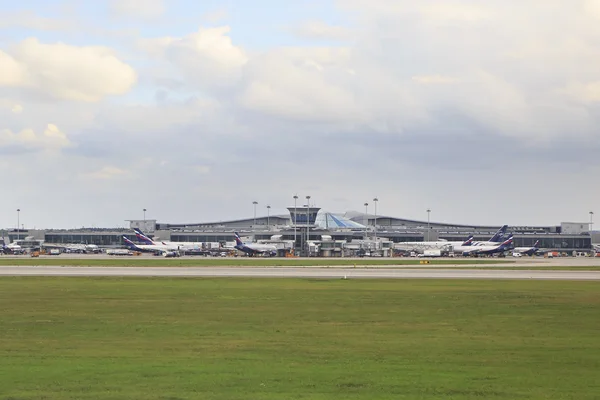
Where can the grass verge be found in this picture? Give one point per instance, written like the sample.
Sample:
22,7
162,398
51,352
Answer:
117,338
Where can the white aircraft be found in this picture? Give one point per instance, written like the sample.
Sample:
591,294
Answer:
489,249
186,246
437,245
493,241
527,250
11,248
457,247
496,239
167,250
254,248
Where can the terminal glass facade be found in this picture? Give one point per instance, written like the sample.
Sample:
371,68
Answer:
302,216
327,220
98,239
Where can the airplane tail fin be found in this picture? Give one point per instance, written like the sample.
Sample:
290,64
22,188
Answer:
536,243
141,237
507,242
468,241
128,242
499,234
238,240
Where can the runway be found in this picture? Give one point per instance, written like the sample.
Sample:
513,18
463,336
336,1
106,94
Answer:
295,272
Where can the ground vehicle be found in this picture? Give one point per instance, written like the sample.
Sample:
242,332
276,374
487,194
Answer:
432,253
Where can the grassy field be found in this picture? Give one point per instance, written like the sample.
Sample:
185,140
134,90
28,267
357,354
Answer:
229,262
104,338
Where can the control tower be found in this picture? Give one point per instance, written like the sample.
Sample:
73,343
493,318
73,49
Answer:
303,217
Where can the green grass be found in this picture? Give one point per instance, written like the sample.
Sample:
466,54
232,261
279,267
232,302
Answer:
130,338
224,262
581,268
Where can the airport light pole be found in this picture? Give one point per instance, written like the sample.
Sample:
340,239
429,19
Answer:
268,216
18,222
254,225
591,221
375,200
144,218
307,225
295,221
428,212
366,220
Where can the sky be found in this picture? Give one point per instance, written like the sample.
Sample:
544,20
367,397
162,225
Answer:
483,112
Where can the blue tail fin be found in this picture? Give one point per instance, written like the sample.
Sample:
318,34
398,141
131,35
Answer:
498,236
468,241
141,237
507,242
238,240
129,243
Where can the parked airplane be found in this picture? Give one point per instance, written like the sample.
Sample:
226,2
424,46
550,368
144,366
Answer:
490,249
254,248
437,245
527,250
164,249
496,239
10,248
195,246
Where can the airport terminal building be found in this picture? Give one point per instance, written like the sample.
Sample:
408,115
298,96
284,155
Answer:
310,231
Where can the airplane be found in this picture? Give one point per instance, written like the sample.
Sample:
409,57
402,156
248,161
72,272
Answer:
166,250
196,246
466,246
489,249
437,245
496,239
456,247
254,248
10,248
527,250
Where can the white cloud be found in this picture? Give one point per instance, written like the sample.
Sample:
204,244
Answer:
155,120
53,133
455,11
11,73
502,66
588,92
422,94
145,9
320,30
13,106
27,139
28,19
107,173
433,79
592,8
305,84
207,57
7,137
85,73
